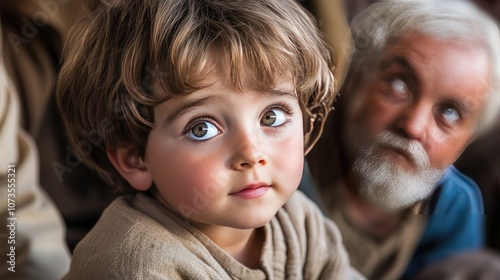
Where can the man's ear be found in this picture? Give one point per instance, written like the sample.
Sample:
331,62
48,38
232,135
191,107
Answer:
129,163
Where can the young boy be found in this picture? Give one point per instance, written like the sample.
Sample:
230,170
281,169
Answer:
200,111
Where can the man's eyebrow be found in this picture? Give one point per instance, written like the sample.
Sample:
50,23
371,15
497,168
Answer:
399,61
186,107
462,106
403,62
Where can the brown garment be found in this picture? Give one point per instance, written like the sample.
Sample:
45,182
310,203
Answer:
141,239
375,258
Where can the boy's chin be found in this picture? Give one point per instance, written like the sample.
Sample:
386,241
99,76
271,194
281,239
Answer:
254,222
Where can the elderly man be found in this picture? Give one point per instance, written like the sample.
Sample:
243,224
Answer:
422,85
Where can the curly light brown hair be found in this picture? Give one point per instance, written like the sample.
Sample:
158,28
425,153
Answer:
121,49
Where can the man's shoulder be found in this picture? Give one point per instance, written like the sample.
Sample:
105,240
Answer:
456,222
456,193
453,176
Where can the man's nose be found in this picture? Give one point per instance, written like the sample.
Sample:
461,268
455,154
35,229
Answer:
414,121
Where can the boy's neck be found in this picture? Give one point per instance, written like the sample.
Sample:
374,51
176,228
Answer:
243,245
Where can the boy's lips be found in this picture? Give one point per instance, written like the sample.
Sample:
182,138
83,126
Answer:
252,191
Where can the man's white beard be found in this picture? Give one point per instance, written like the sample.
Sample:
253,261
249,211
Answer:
385,183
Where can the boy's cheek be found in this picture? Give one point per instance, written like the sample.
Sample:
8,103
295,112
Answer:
185,181
289,158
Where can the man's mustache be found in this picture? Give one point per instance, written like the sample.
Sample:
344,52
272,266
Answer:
411,148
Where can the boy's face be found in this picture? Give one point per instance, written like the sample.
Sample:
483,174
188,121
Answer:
224,158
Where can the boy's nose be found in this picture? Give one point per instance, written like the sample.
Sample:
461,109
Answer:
247,154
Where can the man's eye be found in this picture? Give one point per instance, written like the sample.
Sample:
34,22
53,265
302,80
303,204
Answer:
202,130
451,115
273,117
398,86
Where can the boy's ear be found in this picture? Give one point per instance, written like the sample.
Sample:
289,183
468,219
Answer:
129,163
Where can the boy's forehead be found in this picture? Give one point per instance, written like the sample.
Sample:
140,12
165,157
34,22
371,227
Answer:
250,78
283,84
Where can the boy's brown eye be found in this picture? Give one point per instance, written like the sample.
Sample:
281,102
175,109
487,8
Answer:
268,119
273,117
199,129
202,130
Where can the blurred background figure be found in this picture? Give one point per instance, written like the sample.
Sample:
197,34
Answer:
32,232
33,33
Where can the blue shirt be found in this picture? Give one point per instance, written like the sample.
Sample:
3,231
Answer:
456,221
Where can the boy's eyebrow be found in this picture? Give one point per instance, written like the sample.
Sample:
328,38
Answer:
281,92
186,107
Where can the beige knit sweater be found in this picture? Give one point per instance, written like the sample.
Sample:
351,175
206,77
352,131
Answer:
137,238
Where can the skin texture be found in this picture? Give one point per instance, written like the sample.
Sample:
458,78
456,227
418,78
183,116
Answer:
427,92
200,174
